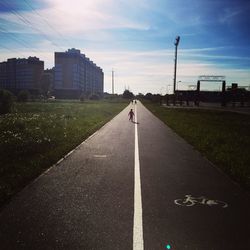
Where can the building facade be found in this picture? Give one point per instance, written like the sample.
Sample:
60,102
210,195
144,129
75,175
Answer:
75,74
18,74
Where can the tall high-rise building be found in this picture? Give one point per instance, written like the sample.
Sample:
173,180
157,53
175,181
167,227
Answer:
76,74
21,74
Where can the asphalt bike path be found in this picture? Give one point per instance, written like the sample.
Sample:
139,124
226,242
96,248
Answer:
132,185
187,202
85,202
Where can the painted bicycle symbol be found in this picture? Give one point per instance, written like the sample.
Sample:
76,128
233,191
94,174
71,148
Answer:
191,201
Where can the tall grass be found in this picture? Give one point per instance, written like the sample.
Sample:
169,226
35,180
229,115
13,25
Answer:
36,135
223,137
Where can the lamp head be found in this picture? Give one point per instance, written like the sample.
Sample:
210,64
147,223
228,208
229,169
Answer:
177,40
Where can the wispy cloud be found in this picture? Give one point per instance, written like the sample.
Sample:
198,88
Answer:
133,37
153,70
74,17
228,15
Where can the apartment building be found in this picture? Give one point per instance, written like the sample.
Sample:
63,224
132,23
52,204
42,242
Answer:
21,74
75,74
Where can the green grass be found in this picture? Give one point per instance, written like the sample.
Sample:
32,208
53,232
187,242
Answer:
223,137
37,135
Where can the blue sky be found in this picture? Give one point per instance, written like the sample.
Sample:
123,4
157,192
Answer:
136,38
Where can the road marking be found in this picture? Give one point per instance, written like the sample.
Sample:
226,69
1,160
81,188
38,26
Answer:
138,243
100,156
191,201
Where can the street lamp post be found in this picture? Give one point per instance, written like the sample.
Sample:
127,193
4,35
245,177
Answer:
177,40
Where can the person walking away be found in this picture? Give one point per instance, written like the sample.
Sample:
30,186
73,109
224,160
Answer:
131,115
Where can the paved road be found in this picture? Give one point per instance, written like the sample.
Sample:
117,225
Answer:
88,200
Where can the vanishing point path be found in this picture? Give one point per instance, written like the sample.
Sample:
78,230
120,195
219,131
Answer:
129,186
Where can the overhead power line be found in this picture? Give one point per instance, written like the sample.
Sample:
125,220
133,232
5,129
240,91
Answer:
46,21
27,22
19,41
12,50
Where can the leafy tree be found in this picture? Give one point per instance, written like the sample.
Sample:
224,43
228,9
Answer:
6,101
149,96
127,94
23,96
140,96
94,97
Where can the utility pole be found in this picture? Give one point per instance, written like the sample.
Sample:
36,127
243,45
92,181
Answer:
177,40
112,81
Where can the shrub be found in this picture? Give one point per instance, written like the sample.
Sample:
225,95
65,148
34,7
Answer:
6,101
82,97
149,96
94,97
23,96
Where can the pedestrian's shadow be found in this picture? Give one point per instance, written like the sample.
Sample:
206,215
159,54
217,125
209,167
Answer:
135,122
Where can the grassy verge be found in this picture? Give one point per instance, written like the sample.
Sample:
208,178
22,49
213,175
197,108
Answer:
223,137
36,135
